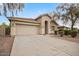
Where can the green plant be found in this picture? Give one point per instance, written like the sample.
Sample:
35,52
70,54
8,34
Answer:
67,32
55,32
7,30
78,30
61,32
74,33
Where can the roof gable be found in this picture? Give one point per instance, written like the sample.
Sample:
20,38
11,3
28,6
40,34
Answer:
42,16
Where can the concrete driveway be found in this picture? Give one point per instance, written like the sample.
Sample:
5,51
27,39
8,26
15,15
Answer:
43,45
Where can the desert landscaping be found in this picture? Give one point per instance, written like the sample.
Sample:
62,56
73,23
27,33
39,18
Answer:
6,43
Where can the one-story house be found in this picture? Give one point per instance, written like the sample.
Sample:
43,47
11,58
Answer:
29,26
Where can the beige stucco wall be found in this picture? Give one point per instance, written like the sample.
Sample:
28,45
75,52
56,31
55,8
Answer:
43,19
13,28
40,27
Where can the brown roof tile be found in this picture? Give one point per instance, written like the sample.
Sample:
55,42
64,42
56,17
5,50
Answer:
22,19
43,15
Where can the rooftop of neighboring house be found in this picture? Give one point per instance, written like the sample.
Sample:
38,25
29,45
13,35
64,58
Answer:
64,27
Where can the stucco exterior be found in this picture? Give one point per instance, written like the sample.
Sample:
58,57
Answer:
43,19
40,25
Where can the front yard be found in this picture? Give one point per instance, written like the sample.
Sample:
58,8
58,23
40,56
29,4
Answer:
5,45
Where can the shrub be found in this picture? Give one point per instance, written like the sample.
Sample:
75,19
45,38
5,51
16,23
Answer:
67,32
74,33
7,30
55,32
78,31
61,32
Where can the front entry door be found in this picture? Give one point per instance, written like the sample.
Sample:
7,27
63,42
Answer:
46,27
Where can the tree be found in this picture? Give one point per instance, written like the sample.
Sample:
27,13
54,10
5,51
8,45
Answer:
6,27
12,8
68,12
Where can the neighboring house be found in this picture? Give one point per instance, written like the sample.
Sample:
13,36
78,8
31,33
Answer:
28,26
63,27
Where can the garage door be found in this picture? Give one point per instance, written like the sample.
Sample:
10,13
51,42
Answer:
26,30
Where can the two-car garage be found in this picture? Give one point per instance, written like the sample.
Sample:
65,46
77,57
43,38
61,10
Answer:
26,29
24,26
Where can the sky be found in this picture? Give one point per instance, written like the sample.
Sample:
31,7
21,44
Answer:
32,10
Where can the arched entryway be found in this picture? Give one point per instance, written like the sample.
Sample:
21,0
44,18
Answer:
46,27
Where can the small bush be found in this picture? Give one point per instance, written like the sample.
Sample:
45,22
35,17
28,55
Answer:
74,33
55,32
7,30
78,31
67,32
61,32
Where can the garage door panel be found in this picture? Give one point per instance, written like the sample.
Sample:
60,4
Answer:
26,30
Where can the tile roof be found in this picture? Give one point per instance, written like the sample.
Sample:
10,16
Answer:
43,15
22,19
